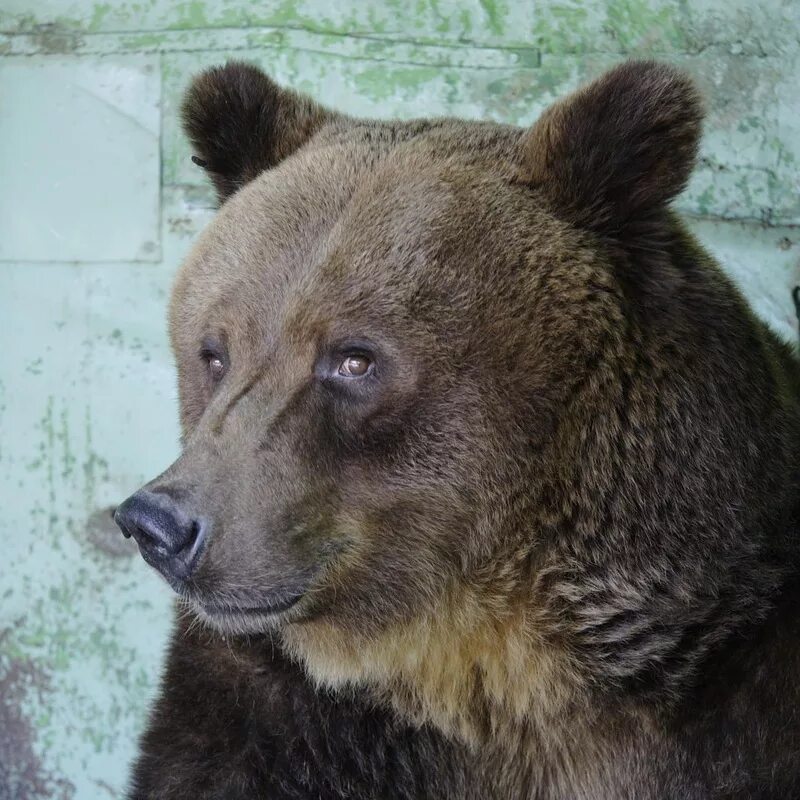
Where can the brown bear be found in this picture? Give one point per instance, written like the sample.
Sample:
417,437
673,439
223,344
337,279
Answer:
490,480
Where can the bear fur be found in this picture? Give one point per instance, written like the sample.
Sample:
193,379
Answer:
545,544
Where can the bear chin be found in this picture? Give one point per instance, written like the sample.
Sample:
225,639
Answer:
229,619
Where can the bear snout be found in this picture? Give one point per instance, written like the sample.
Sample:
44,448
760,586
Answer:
170,539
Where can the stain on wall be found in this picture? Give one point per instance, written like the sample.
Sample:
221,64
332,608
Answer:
99,202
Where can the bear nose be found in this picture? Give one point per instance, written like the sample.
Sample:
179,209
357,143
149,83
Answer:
169,538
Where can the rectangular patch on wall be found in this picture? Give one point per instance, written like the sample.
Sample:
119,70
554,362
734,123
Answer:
80,158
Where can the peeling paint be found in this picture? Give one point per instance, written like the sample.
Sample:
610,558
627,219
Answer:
55,38
23,776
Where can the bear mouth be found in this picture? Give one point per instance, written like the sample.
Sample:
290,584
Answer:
276,605
241,615
230,619
229,611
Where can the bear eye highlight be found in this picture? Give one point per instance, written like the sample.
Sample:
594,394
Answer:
216,368
355,365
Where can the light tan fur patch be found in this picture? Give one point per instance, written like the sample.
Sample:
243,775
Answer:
466,669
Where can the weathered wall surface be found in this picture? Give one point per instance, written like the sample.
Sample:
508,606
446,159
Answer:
99,201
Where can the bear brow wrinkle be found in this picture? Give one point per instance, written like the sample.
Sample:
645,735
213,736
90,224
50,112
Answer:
250,381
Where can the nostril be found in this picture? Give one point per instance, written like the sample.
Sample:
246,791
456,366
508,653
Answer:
189,538
122,523
190,554
136,523
195,531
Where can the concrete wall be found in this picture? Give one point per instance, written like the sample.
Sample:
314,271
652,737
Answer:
99,200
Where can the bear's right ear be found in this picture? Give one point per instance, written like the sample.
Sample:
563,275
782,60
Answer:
240,123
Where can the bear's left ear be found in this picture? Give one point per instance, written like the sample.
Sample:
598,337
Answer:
240,123
617,150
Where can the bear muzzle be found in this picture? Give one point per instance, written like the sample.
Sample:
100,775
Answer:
170,539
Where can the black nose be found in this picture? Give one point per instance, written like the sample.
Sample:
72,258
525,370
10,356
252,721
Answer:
169,538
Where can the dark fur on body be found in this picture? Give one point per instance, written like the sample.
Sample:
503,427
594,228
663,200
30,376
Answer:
549,551
239,720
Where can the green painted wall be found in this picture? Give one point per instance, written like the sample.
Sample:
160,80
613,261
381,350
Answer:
98,202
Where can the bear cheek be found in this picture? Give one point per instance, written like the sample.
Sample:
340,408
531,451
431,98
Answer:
259,549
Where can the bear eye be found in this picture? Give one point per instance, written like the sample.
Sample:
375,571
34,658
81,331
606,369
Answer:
355,365
215,364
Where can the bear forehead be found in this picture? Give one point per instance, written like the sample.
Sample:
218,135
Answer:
394,213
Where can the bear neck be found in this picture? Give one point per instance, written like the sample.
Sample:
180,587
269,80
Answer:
467,669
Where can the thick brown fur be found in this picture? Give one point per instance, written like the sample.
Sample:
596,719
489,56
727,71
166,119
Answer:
547,546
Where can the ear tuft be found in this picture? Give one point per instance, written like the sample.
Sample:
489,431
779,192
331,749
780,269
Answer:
240,123
619,149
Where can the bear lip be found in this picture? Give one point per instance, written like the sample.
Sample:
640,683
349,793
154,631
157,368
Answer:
276,606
